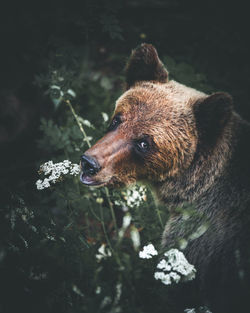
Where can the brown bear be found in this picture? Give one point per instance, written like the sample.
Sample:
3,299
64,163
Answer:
191,148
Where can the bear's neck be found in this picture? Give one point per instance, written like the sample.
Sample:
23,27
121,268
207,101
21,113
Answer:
217,176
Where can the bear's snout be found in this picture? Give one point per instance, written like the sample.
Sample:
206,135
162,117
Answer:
89,165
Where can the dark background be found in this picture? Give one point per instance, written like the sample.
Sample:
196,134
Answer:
208,39
212,36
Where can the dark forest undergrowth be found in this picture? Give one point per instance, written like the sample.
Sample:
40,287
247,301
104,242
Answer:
65,247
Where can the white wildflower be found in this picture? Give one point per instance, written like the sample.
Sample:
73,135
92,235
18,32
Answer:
183,243
163,265
122,205
71,92
176,277
49,237
125,224
204,309
85,122
98,290
147,252
62,239
89,138
133,197
105,117
126,221
135,237
24,218
118,293
165,278
106,301
67,163
56,95
99,200
179,263
55,87
77,291
33,228
174,267
65,171
55,171
201,309
39,184
75,169
47,167
46,183
104,253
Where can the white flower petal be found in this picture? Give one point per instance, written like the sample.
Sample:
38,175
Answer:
147,252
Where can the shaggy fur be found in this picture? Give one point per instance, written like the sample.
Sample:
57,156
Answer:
198,155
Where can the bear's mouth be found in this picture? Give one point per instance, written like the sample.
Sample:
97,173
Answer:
89,181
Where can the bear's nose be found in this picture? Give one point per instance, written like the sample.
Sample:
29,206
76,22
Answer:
89,165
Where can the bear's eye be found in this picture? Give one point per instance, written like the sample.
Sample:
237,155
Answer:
142,145
115,123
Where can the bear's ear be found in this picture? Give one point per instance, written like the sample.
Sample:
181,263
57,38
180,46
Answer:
212,114
144,64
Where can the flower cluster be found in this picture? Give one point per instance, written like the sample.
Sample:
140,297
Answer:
55,172
174,268
103,253
201,309
148,252
133,197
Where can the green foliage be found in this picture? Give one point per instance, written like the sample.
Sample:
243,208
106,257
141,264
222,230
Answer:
72,68
186,74
72,252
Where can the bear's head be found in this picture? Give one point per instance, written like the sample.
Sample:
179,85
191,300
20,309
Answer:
157,129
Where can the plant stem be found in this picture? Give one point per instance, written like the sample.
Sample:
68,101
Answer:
159,216
78,122
89,145
116,255
104,229
111,209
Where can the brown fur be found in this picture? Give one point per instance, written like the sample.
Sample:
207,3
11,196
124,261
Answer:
174,146
198,154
